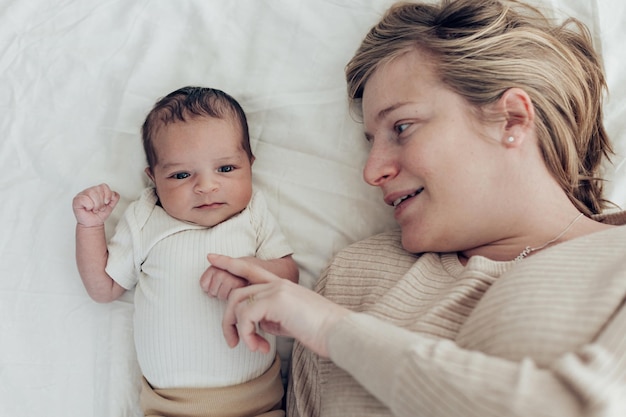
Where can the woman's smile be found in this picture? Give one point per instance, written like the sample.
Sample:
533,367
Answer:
402,199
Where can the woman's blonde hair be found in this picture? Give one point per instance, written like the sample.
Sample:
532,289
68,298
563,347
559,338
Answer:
481,48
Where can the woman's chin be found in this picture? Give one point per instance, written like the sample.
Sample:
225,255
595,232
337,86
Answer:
411,244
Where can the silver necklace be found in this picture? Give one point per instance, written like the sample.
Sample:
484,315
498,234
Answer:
528,250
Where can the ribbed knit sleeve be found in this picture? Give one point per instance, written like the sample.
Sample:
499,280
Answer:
418,376
271,242
542,337
543,341
124,247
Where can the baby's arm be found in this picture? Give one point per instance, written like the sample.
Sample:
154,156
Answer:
284,267
219,283
91,208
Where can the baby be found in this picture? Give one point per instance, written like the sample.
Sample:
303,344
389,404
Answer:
199,159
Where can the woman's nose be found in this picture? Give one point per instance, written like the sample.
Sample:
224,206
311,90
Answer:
381,166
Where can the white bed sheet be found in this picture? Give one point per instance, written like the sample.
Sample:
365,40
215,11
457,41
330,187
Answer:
78,77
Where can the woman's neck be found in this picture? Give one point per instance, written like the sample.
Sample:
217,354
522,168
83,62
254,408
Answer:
536,237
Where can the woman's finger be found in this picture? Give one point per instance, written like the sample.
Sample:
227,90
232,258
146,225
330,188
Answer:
231,327
241,317
254,274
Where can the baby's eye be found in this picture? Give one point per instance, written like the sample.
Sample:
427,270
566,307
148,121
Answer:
181,175
401,127
226,168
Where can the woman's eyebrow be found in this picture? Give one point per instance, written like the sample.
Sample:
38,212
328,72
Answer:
383,113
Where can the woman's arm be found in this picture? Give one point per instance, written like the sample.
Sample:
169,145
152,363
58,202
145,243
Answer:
219,283
411,373
280,306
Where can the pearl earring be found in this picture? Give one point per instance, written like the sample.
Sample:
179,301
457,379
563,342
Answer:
510,139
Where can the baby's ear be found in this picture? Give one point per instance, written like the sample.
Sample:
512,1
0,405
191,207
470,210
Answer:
519,112
148,172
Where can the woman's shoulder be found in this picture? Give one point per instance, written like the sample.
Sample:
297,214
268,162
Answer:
380,251
378,255
611,238
364,269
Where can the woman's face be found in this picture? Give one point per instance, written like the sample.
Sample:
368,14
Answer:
434,161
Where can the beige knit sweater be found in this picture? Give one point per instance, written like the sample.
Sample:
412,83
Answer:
545,336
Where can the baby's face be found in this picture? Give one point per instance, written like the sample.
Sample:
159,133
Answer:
203,175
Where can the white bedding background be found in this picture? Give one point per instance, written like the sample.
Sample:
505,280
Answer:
77,78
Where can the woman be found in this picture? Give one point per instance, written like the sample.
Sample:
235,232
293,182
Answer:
503,293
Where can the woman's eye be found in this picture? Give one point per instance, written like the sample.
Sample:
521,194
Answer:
181,175
226,168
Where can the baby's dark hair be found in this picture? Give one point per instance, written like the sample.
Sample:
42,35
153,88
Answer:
191,102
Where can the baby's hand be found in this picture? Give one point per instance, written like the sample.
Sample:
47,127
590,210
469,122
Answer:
219,283
94,205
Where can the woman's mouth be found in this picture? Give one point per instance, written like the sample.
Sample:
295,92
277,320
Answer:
398,201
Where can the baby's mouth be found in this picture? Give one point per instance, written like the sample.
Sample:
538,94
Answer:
209,205
406,197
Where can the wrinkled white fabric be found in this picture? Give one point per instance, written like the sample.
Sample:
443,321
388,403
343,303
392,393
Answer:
78,78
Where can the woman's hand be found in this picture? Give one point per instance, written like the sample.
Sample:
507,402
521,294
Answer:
278,306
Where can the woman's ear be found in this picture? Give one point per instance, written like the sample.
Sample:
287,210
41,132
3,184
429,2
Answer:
519,113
